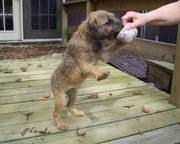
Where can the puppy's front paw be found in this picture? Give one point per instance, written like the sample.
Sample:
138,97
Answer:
103,76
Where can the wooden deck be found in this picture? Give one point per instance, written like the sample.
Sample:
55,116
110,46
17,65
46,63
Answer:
113,106
131,64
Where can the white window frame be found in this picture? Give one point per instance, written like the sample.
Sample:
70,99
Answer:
4,20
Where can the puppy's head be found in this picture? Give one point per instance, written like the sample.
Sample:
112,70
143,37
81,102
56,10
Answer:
102,24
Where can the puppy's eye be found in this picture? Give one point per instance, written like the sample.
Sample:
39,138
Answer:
109,22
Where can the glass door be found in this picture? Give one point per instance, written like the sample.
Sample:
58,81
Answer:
42,19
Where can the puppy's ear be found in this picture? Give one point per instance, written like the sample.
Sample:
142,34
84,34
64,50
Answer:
92,20
103,20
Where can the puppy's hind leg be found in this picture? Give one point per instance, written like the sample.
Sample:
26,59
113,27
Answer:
59,102
72,94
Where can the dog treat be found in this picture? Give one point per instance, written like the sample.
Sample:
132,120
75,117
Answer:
23,68
18,80
127,36
80,132
145,110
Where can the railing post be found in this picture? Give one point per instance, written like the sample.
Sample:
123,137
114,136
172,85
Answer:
90,6
64,25
175,88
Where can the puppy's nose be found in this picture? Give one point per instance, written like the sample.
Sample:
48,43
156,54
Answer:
117,21
117,28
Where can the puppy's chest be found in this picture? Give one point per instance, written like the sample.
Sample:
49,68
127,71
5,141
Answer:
93,52
96,47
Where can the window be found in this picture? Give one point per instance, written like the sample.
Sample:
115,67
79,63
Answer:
44,14
42,19
6,15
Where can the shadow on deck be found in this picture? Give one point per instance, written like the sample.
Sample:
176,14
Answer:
117,107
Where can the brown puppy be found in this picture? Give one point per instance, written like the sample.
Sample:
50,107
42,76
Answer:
83,51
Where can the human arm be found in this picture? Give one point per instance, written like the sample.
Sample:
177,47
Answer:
165,15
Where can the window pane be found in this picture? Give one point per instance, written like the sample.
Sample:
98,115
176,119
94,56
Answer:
52,6
44,22
34,6
52,22
1,23
44,6
8,6
1,7
35,22
9,22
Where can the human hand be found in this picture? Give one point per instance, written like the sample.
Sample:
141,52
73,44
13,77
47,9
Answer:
133,20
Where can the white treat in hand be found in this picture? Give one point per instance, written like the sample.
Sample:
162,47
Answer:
127,36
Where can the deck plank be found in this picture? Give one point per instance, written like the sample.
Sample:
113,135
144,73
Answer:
90,89
132,64
107,116
42,71
166,135
109,131
87,83
121,92
33,105
92,118
37,76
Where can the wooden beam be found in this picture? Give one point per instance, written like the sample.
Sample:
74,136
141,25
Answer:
153,50
117,5
90,6
64,25
175,90
114,5
74,2
76,7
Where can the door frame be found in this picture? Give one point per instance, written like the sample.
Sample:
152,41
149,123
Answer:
23,39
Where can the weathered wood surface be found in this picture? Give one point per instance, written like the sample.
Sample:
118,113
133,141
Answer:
167,135
120,4
160,73
64,25
116,5
152,50
69,2
113,107
132,64
175,96
89,7
164,66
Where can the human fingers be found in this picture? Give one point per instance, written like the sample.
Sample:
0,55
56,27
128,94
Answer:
128,18
137,19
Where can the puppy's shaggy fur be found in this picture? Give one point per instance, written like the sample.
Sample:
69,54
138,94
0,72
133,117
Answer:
83,51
